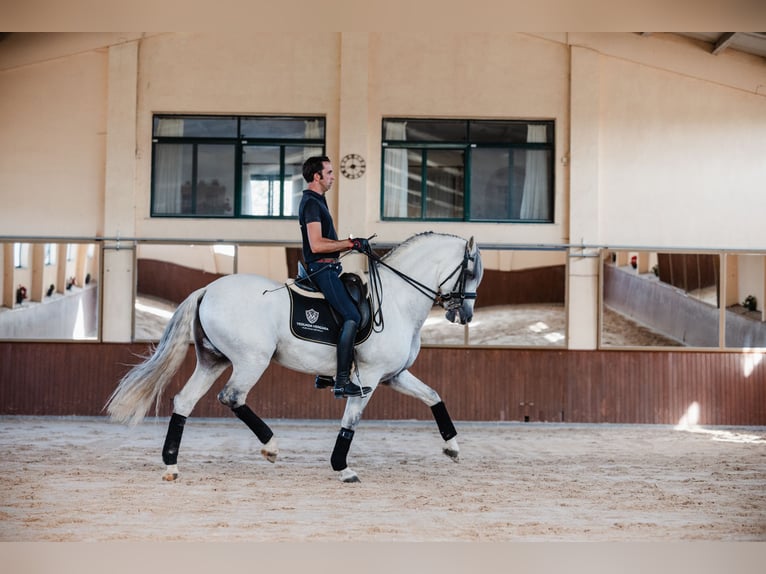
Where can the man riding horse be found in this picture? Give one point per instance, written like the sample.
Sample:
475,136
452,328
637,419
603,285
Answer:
321,249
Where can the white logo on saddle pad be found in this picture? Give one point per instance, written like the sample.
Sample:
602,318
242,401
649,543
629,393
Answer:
312,315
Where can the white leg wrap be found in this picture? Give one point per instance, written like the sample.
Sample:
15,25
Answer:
348,475
269,451
171,472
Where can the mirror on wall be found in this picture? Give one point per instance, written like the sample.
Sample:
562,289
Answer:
520,300
652,299
745,294
50,291
520,303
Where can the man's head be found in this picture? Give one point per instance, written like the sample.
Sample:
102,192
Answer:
318,173
314,165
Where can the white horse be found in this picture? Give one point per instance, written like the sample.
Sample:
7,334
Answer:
244,321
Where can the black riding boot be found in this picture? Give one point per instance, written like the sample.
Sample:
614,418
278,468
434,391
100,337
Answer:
343,385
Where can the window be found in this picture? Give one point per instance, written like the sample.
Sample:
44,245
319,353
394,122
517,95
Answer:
231,166
467,170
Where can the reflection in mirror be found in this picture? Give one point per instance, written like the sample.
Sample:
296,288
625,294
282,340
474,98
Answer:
520,303
49,291
660,299
167,274
745,293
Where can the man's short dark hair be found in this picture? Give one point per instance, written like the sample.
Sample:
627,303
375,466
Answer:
312,165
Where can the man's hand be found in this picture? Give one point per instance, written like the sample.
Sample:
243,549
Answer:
360,244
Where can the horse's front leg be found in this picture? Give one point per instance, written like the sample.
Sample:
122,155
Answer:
351,416
408,384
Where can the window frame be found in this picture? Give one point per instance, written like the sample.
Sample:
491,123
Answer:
467,145
239,143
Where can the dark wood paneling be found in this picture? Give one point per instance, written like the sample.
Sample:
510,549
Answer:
476,384
689,271
538,285
170,281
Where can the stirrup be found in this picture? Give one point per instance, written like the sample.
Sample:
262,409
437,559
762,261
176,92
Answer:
322,382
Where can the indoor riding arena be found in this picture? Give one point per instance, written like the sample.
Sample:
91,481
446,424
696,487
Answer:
610,386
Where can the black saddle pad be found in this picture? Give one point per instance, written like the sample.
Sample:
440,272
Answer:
312,318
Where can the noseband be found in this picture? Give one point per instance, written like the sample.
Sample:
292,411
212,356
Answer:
455,298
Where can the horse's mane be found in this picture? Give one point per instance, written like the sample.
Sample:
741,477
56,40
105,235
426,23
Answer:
414,239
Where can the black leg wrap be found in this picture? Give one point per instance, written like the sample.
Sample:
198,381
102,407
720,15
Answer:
173,439
443,421
254,423
342,444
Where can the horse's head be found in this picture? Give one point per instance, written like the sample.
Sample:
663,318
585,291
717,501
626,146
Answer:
460,300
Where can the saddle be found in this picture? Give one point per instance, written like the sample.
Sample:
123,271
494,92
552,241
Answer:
313,319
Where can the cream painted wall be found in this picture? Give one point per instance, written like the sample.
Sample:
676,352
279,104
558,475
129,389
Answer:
52,154
679,160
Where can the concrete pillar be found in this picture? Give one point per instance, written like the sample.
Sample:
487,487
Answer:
7,287
119,202
353,139
584,266
36,289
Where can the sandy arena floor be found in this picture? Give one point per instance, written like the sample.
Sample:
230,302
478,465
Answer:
84,479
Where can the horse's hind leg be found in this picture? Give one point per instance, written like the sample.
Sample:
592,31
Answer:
234,394
408,384
205,374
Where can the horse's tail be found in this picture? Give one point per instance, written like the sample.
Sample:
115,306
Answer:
145,382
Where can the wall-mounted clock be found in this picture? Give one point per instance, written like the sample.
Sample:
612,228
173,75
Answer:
352,166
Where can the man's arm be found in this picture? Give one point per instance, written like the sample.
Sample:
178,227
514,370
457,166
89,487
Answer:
321,244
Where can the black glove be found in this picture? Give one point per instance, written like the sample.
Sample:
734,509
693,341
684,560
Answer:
361,245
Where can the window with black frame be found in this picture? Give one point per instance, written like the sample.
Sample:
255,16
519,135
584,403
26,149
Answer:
467,170
231,166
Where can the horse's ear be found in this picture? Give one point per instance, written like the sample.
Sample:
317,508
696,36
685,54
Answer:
470,245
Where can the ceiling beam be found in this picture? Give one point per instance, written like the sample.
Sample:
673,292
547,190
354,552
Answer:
723,42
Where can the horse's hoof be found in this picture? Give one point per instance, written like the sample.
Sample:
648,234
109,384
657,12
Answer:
348,475
451,449
453,454
270,450
171,473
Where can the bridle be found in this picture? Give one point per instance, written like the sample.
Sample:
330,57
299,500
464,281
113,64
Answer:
450,301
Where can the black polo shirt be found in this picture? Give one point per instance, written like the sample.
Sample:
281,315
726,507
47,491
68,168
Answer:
313,207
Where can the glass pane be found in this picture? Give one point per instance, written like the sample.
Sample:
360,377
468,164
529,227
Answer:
402,180
294,183
745,309
260,181
54,295
536,185
172,185
445,184
520,303
401,176
425,130
192,126
492,185
215,180
502,132
660,299
283,128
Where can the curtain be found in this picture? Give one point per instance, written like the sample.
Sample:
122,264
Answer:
534,202
395,173
169,171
